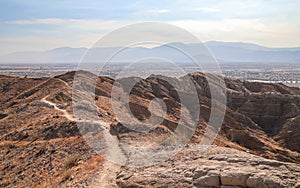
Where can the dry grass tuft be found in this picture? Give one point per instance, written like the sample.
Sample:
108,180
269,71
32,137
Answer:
93,163
66,176
71,161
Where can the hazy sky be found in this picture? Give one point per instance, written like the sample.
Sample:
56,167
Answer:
35,25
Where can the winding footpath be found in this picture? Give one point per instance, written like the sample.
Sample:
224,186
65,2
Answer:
106,177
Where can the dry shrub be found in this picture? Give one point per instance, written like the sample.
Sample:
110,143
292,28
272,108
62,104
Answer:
7,182
93,163
71,161
8,145
66,176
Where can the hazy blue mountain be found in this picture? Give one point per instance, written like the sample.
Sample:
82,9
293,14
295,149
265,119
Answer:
247,46
251,53
224,52
242,45
57,55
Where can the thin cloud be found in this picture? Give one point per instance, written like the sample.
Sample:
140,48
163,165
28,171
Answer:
246,30
82,24
207,10
152,12
37,21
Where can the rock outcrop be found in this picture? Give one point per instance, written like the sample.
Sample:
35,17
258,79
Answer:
212,167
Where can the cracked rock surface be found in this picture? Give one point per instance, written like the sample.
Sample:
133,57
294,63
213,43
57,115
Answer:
212,167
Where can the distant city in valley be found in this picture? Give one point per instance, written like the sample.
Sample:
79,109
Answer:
239,60
262,72
259,72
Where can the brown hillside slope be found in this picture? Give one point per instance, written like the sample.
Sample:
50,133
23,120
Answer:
41,145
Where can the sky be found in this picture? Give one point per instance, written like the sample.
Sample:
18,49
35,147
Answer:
35,25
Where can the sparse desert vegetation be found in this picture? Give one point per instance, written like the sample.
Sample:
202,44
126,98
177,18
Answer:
41,145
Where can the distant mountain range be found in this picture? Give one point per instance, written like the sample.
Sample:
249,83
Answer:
224,52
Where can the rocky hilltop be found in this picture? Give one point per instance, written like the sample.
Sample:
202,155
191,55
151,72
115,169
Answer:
212,167
258,144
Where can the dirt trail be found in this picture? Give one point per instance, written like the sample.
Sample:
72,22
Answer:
114,156
106,177
66,114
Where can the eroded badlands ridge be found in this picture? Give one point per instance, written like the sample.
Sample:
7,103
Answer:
40,143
